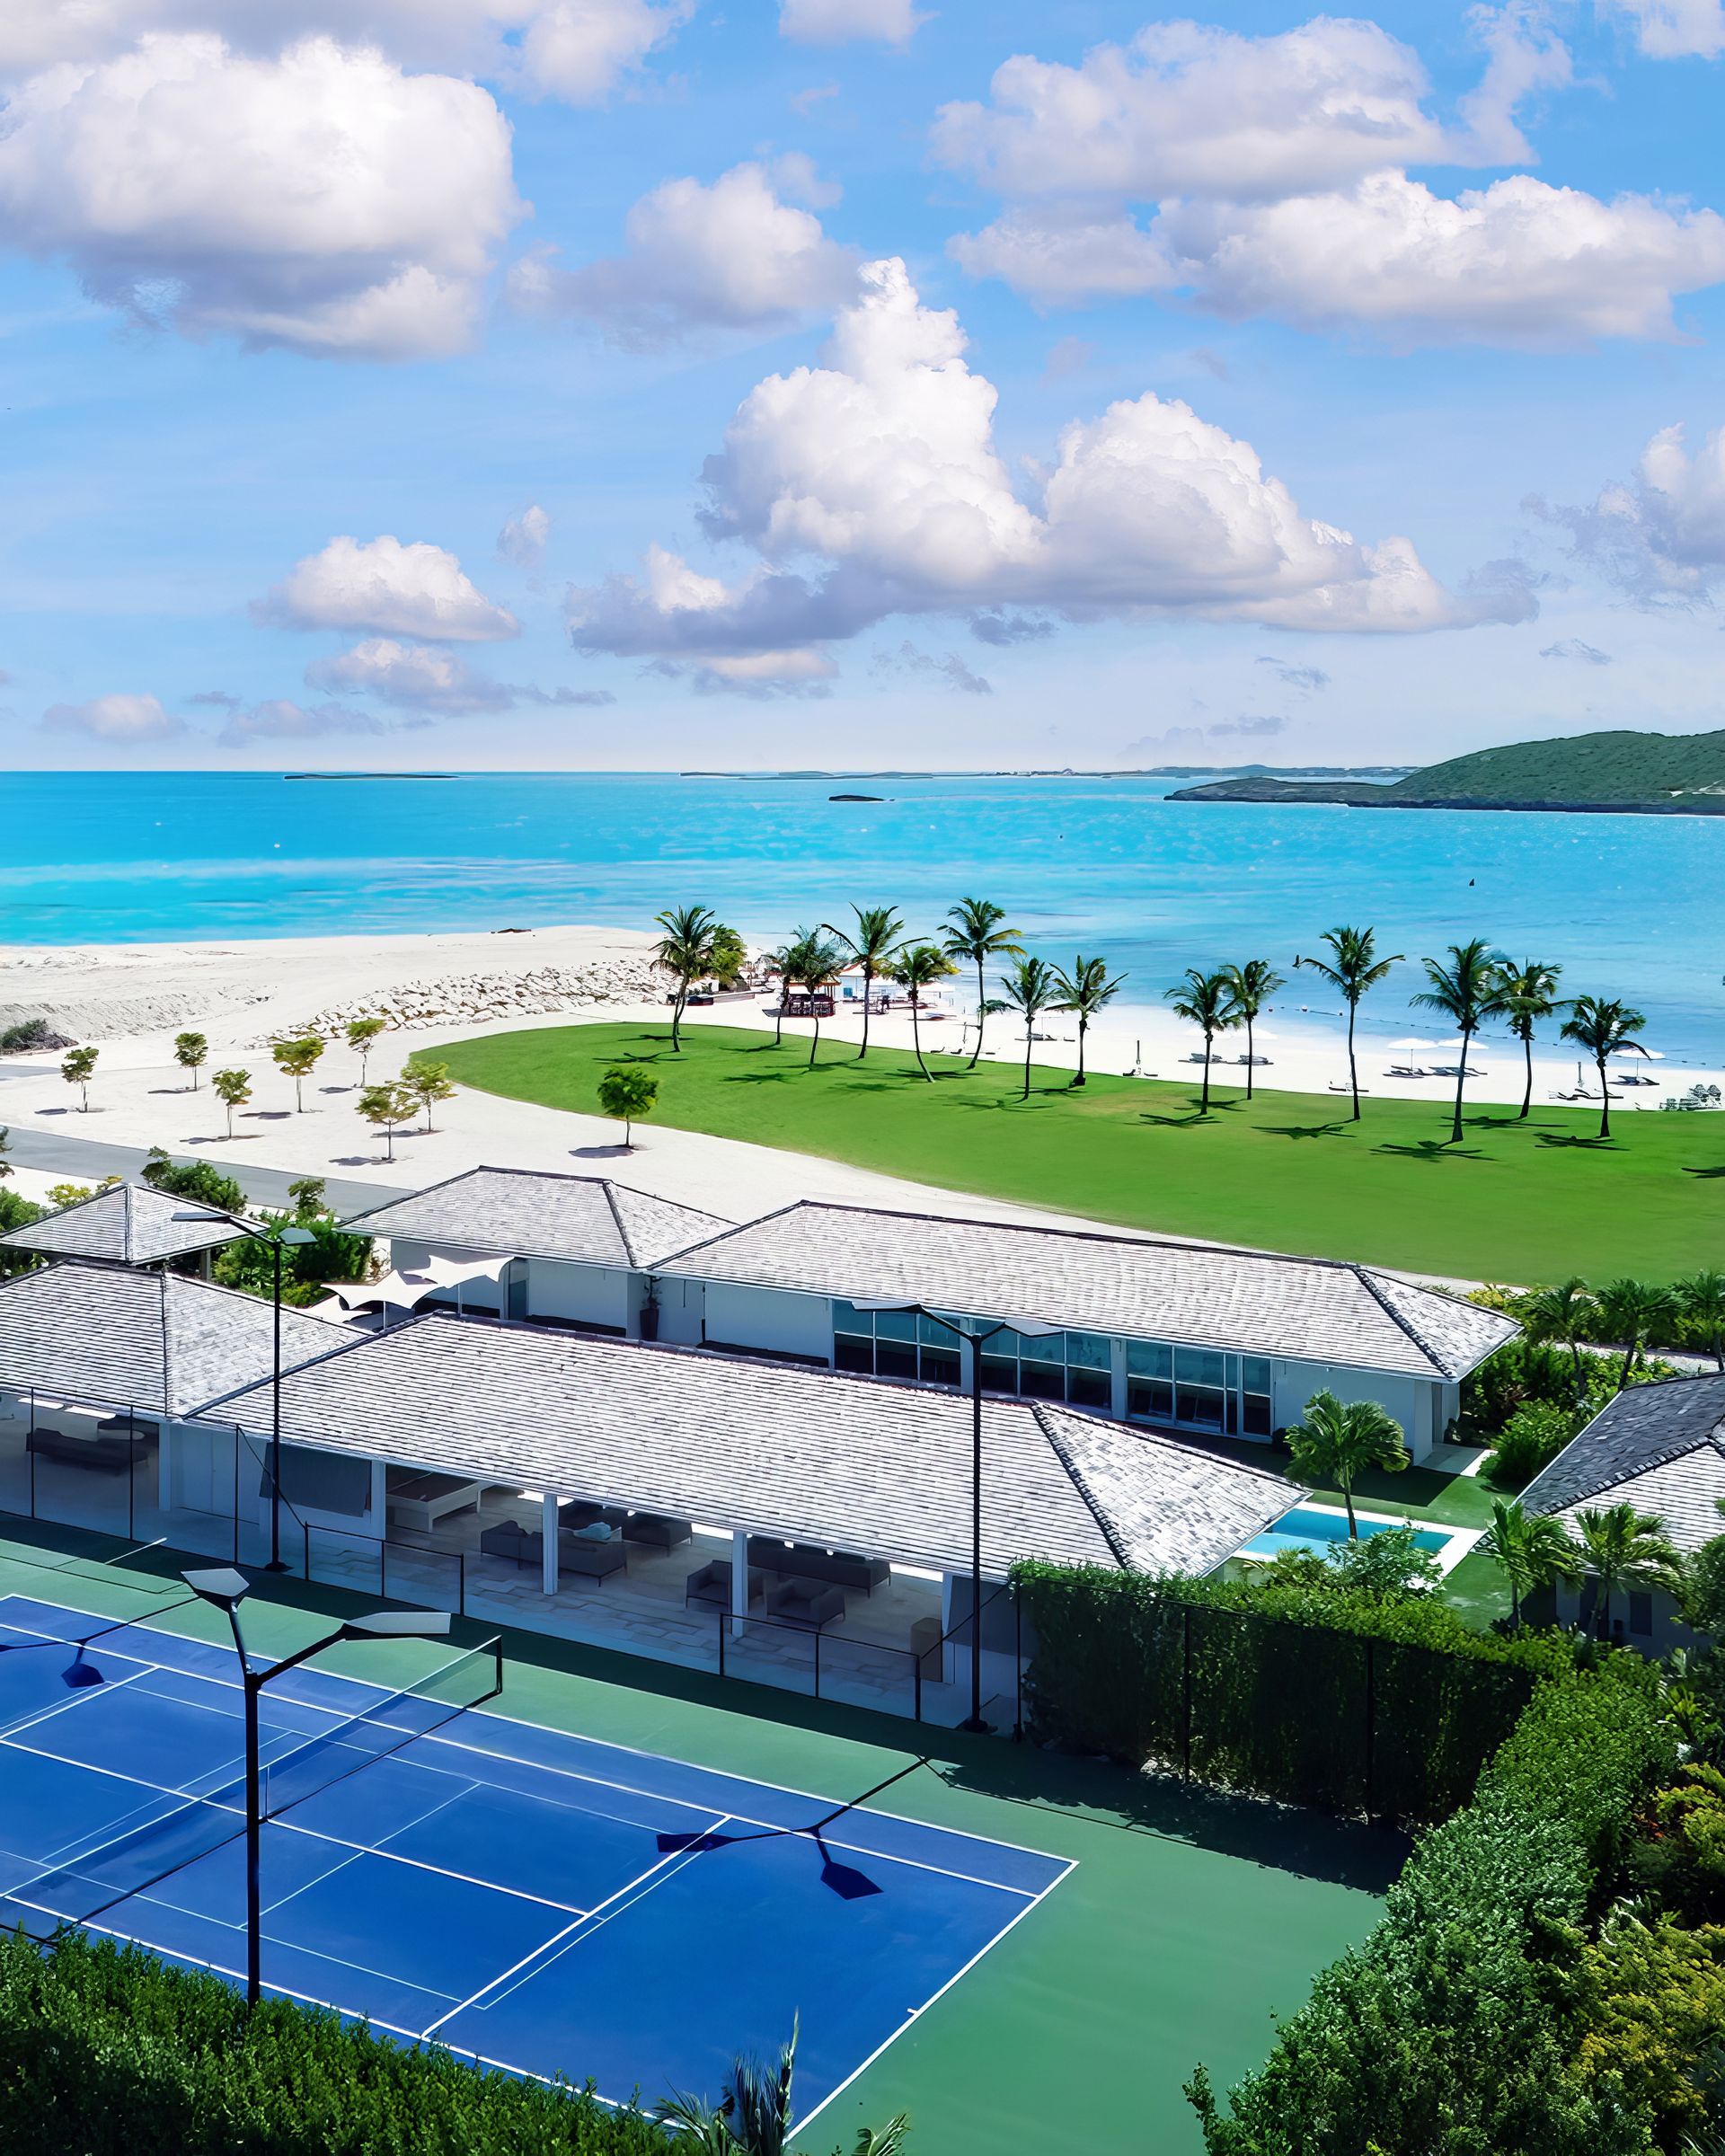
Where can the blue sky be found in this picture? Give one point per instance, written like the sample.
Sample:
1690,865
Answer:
594,383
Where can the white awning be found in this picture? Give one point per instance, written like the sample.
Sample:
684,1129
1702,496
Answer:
409,1284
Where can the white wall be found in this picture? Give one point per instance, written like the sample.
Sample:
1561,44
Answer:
681,1304
764,1317
595,1294
1411,1400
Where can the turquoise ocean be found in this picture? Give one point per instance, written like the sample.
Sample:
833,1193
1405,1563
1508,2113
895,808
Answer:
1629,904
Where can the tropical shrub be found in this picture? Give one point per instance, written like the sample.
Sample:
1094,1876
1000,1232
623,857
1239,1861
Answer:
1532,1438
109,2051
1680,1855
1524,1372
306,1268
194,1180
1655,2006
1311,1694
1457,2025
31,1033
1389,1566
17,1211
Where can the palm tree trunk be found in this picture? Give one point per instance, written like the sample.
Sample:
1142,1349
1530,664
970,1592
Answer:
917,1037
868,983
1204,1102
814,1042
1514,1605
1029,1024
1461,1080
1527,1092
1628,1359
1353,1068
677,1018
1083,1024
1605,1101
1347,1500
982,998
778,1021
1250,1065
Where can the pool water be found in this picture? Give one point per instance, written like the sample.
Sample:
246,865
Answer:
1306,1528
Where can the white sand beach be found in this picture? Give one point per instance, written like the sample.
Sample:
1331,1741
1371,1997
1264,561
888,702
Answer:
130,1000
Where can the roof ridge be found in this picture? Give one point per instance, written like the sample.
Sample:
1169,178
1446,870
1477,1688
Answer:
610,1190
736,1228
1611,1472
1369,1280
1062,1453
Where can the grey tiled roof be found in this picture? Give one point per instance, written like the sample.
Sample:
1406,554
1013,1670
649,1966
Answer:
105,1336
130,1223
847,1462
1310,1309
1672,1432
527,1214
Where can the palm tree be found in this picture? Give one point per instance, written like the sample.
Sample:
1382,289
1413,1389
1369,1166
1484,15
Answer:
818,965
1030,988
1560,1313
1352,968
753,2115
879,933
1702,1296
1251,986
1630,1311
1468,990
918,966
1533,1550
1624,1548
978,937
1338,1442
685,952
1086,989
1604,1028
1529,994
783,961
1205,1000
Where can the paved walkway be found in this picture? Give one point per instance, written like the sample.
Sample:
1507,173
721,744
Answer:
88,1160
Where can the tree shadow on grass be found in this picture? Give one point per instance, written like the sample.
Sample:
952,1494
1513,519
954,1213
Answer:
1434,1149
1706,1175
1578,1144
1306,1130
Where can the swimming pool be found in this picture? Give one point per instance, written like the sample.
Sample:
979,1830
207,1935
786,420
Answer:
1307,1527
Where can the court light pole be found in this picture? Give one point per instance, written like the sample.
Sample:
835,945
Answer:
1032,1328
278,1239
225,1589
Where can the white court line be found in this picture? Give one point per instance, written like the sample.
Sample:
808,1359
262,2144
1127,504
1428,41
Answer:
915,2013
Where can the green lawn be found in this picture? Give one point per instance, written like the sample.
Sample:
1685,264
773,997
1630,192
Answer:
1189,1923
1520,1202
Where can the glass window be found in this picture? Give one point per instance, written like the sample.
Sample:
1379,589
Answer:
1153,1399
1640,1614
1254,1373
934,1335
895,1325
999,1375
893,1360
1149,1358
942,1367
1255,1418
1042,1381
850,1353
1198,1405
1089,1389
1200,1366
1047,1348
848,1318
1089,1350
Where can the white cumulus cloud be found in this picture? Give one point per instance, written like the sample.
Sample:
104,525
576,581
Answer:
849,21
1675,30
279,719
119,719
417,590
524,536
410,676
322,200
1659,537
731,255
870,485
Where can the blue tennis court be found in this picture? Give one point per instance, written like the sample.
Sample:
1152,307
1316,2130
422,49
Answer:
538,1901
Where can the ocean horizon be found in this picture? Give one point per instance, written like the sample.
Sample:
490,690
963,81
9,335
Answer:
1626,904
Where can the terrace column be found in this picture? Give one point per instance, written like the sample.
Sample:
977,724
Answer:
164,1468
1117,1380
548,1531
380,1498
739,1580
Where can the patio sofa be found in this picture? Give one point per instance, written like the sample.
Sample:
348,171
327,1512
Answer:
653,1530
110,1455
805,1561
526,1546
805,1604
709,1587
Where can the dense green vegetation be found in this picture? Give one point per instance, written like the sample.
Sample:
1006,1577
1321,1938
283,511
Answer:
108,2052
1620,769
1524,1200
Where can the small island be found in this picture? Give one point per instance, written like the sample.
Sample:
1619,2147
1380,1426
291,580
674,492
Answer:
1620,773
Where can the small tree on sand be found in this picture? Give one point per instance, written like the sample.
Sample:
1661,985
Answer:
626,1091
310,1194
5,1148
78,1069
232,1088
189,1050
387,1106
428,1083
1339,1441
299,1058
359,1033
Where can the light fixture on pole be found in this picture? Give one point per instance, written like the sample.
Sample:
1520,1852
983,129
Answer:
225,1589
976,1333
278,1239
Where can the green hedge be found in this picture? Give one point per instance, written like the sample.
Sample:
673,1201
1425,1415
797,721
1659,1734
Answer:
1309,1696
105,2051
1456,2030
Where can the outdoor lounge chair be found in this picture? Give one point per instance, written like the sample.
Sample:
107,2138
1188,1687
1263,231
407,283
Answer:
709,1587
590,1560
805,1561
521,1545
109,1455
804,1603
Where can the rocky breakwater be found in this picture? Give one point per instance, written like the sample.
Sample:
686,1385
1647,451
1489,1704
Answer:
489,998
